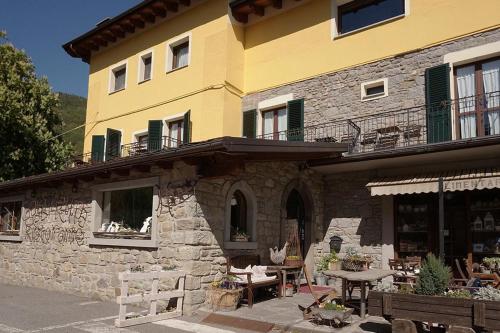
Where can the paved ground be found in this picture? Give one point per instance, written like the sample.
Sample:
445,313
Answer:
30,310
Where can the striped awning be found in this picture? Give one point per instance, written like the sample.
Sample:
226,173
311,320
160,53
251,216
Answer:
463,180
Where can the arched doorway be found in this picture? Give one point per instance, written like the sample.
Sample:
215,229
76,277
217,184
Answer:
295,210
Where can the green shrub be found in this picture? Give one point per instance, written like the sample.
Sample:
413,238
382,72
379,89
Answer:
434,277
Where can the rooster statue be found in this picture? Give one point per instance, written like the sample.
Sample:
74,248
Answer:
276,256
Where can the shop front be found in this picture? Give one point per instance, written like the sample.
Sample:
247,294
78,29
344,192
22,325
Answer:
452,214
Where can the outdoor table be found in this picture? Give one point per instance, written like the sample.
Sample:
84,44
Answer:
285,270
363,277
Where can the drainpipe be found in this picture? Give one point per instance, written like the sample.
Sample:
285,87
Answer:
441,219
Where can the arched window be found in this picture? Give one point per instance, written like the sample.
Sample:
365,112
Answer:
240,229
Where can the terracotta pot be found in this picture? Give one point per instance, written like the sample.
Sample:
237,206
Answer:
334,266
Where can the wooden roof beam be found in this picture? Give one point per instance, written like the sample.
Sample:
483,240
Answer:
172,6
108,36
186,3
278,4
160,10
138,21
127,26
257,10
148,15
100,41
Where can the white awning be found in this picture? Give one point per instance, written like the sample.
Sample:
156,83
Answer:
470,179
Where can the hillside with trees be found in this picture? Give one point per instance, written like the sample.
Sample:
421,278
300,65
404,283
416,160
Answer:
72,110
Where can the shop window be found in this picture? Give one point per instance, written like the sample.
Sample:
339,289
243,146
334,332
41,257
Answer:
118,78
10,217
124,213
359,14
240,229
145,67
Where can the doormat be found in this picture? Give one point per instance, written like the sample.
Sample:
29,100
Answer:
305,289
246,324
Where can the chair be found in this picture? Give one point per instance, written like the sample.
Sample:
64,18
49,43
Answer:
249,287
405,270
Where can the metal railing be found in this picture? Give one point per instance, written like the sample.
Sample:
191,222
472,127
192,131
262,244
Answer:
465,118
127,150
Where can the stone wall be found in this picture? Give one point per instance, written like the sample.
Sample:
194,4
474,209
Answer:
337,96
55,252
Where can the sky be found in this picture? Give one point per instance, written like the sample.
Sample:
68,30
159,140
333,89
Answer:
41,27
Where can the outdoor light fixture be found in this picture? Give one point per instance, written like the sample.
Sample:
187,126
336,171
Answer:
335,243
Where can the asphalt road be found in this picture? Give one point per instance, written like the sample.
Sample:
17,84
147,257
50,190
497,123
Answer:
30,310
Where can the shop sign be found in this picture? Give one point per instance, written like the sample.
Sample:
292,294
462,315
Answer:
471,184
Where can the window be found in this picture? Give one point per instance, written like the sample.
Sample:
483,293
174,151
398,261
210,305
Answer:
179,52
477,88
175,133
145,67
124,213
374,89
10,217
142,141
240,227
359,14
274,124
118,78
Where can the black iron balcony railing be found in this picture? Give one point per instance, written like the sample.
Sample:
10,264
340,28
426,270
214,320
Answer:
464,118
132,149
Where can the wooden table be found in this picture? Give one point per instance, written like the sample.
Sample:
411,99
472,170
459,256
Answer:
285,270
363,277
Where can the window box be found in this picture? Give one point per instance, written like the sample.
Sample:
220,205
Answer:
124,213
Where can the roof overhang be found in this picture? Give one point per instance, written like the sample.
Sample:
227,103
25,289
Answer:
129,22
213,158
241,9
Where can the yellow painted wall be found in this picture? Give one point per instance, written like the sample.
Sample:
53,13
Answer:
200,87
298,44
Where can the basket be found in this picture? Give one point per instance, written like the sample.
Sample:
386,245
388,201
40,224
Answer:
353,265
224,299
294,262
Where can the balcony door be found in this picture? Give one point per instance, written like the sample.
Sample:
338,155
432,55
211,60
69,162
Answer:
477,88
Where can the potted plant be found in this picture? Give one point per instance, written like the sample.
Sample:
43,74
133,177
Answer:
320,278
354,261
333,312
224,294
240,236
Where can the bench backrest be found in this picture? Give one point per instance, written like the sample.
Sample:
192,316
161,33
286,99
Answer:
242,261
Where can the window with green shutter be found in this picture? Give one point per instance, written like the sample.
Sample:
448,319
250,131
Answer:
250,124
97,152
155,135
187,128
295,112
437,93
113,142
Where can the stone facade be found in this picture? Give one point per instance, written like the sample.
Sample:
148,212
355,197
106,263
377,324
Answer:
57,225
337,96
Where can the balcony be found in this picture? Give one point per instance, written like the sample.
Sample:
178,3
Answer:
128,150
469,118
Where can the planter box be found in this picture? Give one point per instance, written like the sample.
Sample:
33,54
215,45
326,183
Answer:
436,309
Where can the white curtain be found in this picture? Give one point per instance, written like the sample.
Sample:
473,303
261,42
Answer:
491,81
282,124
466,91
174,134
268,125
183,57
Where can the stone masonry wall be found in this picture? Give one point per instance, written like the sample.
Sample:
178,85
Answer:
337,96
55,253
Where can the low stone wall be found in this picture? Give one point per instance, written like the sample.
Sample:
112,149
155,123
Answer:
55,252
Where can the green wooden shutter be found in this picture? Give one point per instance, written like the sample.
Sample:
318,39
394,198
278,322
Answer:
187,128
113,139
295,115
155,135
97,152
250,124
437,94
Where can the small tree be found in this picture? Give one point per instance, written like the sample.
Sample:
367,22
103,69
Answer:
28,118
434,277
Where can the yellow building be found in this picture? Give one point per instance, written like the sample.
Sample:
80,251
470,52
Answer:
183,69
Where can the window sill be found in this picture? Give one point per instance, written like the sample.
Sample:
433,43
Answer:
176,69
122,242
371,98
144,81
342,35
240,245
116,91
11,237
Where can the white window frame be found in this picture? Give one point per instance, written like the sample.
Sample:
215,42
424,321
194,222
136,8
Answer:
464,57
371,84
269,104
140,66
97,213
335,4
251,201
171,44
15,238
112,70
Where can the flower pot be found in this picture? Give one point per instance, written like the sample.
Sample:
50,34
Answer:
224,299
320,280
240,238
334,266
294,262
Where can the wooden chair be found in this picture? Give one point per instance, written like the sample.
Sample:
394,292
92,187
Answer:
405,270
241,262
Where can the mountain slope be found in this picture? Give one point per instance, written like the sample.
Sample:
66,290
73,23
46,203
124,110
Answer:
73,110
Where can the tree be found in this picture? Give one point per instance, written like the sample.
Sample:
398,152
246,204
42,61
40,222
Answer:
29,120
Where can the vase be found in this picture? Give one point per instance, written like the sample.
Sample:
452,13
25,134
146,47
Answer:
320,280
